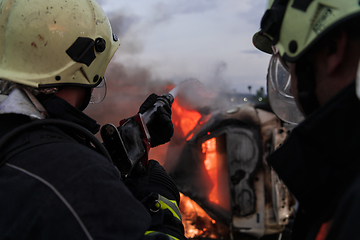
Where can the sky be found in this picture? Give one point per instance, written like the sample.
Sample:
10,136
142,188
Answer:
210,40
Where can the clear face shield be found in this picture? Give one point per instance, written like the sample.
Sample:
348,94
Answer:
358,82
99,92
280,97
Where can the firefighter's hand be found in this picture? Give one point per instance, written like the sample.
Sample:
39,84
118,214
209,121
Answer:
154,190
154,181
161,129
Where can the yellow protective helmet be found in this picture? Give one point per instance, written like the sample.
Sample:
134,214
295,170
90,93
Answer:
289,28
293,26
51,43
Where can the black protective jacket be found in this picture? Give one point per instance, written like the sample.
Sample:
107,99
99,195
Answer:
319,163
54,186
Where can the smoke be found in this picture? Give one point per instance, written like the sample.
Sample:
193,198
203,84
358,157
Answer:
192,94
165,11
161,13
217,80
127,88
129,83
220,69
122,24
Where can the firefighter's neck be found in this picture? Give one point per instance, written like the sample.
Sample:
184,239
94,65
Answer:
73,95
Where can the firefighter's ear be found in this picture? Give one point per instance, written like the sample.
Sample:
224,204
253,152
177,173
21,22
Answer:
336,52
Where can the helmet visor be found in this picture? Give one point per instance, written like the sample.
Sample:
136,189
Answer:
99,92
358,82
280,97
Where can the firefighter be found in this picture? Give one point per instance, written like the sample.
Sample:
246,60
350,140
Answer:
56,179
315,47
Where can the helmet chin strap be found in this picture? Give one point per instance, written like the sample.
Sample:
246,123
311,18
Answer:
305,74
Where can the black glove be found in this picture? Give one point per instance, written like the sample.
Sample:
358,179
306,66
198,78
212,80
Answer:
154,180
161,129
147,188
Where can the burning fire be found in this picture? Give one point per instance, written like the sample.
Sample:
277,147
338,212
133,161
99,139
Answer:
215,162
186,121
209,148
195,220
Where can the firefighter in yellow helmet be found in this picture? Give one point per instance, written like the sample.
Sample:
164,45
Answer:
57,181
312,79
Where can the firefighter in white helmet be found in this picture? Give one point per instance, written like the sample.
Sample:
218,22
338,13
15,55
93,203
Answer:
56,179
312,79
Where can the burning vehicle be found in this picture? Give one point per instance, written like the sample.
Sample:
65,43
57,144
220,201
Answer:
217,159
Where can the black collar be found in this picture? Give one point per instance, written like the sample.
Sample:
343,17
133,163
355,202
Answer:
320,158
58,108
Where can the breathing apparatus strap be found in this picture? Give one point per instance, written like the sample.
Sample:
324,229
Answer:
7,140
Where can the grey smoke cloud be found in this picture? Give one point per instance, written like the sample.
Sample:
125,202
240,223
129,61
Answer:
210,40
165,10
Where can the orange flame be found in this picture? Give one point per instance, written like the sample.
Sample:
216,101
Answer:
187,119
209,148
191,213
197,222
216,165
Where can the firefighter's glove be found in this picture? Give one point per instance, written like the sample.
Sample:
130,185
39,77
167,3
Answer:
156,191
154,181
161,129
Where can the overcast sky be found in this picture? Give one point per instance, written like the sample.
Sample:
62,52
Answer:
210,40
